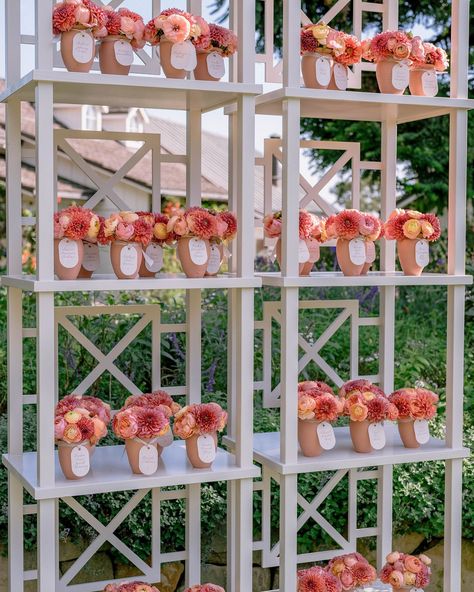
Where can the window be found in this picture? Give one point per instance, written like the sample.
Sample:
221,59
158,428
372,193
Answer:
91,118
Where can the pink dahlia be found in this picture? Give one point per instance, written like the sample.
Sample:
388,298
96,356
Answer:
423,577
394,226
78,226
151,422
207,417
97,14
377,409
272,226
222,40
316,579
358,385
309,385
306,223
86,425
205,588
326,408
143,232
363,573
231,221
201,223
435,56
351,49
64,18
434,221
309,43
112,23
200,33
347,224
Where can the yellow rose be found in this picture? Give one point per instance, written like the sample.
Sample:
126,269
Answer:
412,229
320,33
409,578
368,396
94,227
160,231
426,229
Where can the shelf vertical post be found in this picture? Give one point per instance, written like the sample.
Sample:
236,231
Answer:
47,546
44,40
246,34
13,42
291,43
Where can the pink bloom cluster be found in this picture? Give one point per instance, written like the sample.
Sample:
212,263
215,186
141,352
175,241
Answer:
427,54
310,226
317,579
204,224
413,225
346,49
155,399
70,14
131,587
126,226
79,418
176,26
352,570
222,40
198,419
317,402
124,23
366,401
77,223
350,224
145,417
205,588
415,403
389,44
405,571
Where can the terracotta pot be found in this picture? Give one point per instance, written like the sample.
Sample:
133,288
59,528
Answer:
212,263
83,272
343,258
70,62
383,72
190,268
75,252
302,267
360,436
429,88
107,58
201,71
308,69
308,437
407,433
406,249
133,448
126,270
64,456
165,61
192,452
333,84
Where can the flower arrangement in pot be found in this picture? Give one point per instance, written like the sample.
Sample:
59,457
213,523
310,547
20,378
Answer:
347,51
391,52
78,22
317,579
416,406
205,588
90,246
413,232
73,226
352,570
152,261
127,234
406,572
121,34
176,32
367,408
141,426
193,230
426,61
131,587
226,232
316,55
355,233
198,425
318,408
311,233
222,43
80,422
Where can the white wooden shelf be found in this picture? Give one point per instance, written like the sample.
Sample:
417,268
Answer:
109,283
110,471
267,452
149,92
327,279
376,587
358,106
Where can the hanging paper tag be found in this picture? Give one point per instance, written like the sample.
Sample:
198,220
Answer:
80,461
323,71
206,448
303,252
166,439
340,76
68,253
198,251
128,260
91,259
400,76
429,82
123,52
377,435
148,459
215,65
369,251
422,253
313,248
214,261
326,436
183,56
357,251
422,431
153,257
82,48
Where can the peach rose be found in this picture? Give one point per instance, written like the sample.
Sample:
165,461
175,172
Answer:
72,434
424,559
358,412
73,416
413,564
124,231
184,425
128,216
395,579
181,227
125,425
411,229
414,214
100,429
426,229
337,567
111,224
127,26
401,51
368,396
306,405
64,220
59,426
83,15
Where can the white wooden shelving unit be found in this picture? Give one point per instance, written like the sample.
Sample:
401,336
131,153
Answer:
38,472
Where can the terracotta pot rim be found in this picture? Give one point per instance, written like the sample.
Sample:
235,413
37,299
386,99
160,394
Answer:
115,38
